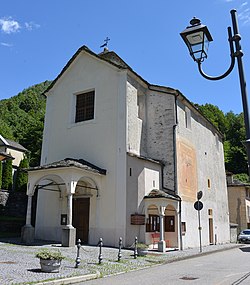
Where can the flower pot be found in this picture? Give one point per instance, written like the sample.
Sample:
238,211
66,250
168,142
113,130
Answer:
50,265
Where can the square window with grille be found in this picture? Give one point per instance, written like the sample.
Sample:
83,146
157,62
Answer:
153,223
85,106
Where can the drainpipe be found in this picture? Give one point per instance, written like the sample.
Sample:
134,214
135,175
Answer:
175,172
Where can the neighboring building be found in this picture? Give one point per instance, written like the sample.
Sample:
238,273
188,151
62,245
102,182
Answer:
123,158
5,156
12,150
238,202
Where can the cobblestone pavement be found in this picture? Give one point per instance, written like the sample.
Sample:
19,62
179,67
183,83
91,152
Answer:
18,264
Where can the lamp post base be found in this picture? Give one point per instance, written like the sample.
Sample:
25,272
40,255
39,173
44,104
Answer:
162,246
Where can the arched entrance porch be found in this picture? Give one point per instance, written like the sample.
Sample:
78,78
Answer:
162,221
57,184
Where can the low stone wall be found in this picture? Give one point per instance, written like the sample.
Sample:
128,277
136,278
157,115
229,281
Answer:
4,195
13,207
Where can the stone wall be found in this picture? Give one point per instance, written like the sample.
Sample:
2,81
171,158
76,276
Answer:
13,203
3,198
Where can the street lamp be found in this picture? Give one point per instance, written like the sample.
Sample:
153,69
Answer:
197,38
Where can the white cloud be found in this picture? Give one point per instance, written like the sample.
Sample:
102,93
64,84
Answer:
31,26
244,13
8,25
243,4
6,45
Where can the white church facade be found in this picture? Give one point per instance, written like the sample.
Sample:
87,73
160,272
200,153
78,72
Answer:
123,158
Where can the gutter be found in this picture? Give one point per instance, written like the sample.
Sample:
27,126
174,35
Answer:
175,172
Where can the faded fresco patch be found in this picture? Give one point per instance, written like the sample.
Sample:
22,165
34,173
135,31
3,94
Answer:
187,171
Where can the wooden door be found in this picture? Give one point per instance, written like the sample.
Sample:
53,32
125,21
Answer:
211,231
81,218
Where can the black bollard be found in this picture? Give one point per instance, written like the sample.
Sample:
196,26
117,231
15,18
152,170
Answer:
100,250
120,247
78,260
135,249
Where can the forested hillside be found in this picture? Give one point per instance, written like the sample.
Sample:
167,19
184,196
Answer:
22,118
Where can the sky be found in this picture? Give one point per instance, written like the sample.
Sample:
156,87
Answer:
38,38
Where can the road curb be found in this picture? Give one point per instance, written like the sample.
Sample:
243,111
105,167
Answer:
70,280
201,254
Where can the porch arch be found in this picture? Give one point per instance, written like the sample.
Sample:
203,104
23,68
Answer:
61,179
161,213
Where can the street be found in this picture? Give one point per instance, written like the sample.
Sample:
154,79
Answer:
221,268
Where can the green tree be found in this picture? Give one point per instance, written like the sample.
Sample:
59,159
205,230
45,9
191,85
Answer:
22,176
7,175
214,115
22,117
235,151
32,140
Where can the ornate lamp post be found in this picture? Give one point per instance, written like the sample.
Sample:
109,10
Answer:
197,38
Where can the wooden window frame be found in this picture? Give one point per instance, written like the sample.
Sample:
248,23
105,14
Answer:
85,106
153,223
169,223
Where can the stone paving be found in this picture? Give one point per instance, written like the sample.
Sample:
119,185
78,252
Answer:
18,264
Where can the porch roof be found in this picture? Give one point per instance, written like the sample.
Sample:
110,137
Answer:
5,156
71,162
156,193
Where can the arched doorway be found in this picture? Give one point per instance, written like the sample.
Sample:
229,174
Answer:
82,198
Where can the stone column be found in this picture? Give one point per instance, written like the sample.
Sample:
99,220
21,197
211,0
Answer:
28,231
162,243
70,209
69,232
28,214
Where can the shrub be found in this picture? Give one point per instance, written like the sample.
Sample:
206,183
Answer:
7,175
50,254
22,176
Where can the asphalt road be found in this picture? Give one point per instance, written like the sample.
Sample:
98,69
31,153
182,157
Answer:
221,268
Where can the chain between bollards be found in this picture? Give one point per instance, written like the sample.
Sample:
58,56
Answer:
135,249
100,250
78,260
120,247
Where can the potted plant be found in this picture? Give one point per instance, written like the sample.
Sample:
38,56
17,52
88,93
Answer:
142,249
50,260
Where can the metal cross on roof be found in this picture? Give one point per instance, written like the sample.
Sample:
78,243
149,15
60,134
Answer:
106,42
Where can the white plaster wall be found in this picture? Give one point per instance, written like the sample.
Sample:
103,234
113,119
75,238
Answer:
134,123
18,156
210,165
101,141
145,176
48,216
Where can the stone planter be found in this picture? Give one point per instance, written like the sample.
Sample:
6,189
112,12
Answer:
142,251
50,265
50,260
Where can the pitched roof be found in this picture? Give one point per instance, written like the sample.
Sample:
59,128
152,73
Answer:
71,162
11,144
156,193
112,58
5,156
